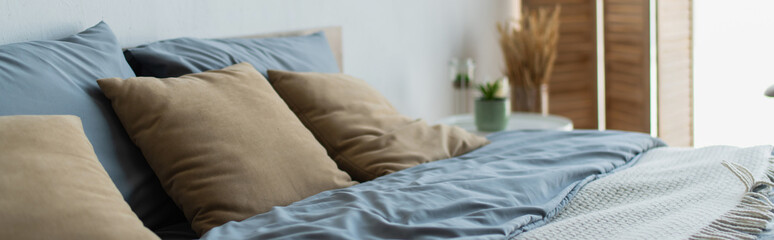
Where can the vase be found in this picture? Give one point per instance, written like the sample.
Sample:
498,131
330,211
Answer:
530,98
491,115
462,77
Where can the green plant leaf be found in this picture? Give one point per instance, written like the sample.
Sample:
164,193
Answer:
489,89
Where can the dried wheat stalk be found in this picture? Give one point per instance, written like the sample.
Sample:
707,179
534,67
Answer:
529,46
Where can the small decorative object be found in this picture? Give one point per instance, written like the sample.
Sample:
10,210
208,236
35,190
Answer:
461,77
529,48
769,91
491,112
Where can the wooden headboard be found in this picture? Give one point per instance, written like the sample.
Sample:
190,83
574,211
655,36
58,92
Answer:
332,33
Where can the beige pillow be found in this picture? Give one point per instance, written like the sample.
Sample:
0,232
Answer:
361,130
223,144
53,187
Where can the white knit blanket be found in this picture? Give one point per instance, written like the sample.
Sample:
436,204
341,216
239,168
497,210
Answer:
673,193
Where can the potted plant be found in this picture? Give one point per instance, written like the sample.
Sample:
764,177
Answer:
491,110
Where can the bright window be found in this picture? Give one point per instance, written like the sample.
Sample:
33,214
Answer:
733,65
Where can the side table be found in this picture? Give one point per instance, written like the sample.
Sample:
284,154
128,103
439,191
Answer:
517,121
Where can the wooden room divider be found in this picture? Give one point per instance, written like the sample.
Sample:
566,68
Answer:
643,52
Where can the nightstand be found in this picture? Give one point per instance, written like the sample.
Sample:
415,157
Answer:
517,121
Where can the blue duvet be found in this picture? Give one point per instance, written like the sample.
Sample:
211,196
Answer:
513,184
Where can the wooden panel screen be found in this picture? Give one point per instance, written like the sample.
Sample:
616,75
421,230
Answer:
627,54
627,65
675,84
573,85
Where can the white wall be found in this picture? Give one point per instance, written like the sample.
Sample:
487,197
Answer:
733,66
401,47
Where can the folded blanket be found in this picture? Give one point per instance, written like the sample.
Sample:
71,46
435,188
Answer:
495,192
673,193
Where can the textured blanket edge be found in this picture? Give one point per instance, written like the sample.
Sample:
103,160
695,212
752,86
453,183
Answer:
570,195
750,216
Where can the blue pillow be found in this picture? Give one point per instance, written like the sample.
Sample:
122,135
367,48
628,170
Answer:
60,77
176,57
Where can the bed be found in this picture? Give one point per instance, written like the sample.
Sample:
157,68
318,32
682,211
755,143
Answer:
262,137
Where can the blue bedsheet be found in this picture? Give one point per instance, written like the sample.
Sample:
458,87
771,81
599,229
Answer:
495,192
